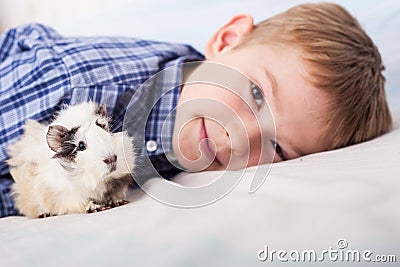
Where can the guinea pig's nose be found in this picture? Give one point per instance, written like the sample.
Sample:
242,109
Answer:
110,160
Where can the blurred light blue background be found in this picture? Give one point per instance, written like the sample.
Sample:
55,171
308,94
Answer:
195,21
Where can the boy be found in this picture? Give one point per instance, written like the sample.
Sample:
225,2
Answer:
312,67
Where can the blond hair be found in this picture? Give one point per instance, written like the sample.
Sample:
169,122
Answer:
343,62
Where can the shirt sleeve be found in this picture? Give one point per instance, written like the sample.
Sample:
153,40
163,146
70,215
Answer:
33,81
7,207
18,39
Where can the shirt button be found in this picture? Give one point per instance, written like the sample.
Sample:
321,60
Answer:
151,146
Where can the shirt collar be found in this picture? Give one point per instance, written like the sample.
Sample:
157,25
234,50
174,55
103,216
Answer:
169,82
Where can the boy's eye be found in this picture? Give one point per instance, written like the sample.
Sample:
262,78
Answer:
278,150
257,94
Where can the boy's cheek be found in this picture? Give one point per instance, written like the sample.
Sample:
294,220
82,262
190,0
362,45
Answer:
185,141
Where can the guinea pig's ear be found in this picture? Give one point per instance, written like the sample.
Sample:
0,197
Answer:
102,111
56,135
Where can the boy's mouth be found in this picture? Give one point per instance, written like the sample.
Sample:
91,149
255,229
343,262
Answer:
207,146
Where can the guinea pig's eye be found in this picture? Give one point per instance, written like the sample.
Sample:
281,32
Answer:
81,146
102,124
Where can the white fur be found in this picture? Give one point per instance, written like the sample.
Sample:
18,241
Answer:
43,185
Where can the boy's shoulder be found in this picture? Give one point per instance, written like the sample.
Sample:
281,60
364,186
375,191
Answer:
29,35
90,60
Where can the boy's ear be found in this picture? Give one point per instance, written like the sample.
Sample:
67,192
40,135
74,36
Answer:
229,35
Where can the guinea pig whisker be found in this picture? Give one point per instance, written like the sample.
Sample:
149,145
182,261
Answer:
115,123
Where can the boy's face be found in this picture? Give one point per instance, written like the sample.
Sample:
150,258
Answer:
218,128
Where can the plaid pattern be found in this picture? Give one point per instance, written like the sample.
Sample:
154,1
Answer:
41,71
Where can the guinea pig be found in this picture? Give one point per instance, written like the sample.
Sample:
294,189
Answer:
73,165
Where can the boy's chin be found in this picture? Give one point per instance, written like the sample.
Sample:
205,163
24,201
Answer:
199,166
214,166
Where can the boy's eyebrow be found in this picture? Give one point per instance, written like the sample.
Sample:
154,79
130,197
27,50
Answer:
274,84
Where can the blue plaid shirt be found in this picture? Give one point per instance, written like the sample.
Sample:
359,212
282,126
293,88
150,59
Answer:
41,71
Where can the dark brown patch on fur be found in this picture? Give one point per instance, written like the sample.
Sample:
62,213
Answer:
62,143
55,136
104,125
103,121
102,111
114,186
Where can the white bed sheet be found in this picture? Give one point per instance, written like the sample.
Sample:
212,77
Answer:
307,203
